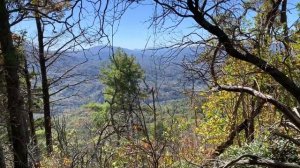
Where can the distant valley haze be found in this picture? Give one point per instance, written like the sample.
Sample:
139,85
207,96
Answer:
162,70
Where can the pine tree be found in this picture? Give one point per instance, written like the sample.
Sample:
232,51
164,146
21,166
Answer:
122,91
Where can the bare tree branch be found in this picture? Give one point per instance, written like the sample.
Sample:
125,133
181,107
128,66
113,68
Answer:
287,111
255,160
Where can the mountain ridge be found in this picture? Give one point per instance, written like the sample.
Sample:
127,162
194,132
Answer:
162,70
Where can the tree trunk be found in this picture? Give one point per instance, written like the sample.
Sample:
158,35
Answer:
45,86
251,130
251,125
14,103
30,112
154,114
2,158
222,147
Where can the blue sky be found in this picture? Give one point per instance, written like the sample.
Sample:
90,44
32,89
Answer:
134,31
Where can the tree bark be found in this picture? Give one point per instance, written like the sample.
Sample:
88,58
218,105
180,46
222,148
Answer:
221,148
14,102
255,160
287,111
154,114
30,112
2,158
251,126
45,85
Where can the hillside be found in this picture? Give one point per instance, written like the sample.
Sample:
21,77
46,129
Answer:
162,68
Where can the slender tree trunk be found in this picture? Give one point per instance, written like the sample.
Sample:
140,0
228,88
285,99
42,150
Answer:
251,129
155,163
45,86
30,113
14,103
130,123
154,114
250,125
2,158
193,101
283,20
25,119
245,116
242,126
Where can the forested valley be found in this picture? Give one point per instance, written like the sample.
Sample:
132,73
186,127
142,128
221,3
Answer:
216,84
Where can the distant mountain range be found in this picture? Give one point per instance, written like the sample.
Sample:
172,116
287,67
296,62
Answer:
162,68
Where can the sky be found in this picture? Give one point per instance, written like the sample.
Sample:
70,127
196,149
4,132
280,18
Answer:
134,31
